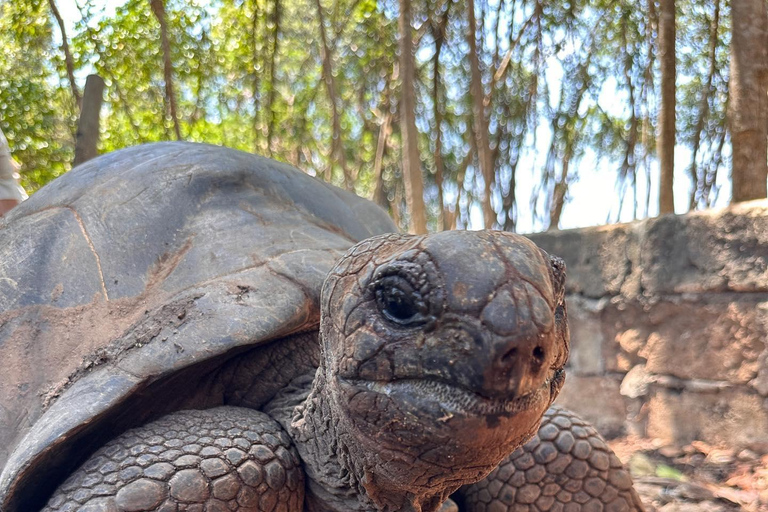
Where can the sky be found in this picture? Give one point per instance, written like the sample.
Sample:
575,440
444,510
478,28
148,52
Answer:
593,198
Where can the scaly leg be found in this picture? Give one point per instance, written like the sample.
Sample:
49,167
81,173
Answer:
216,460
566,467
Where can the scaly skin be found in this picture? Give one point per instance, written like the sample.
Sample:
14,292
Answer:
566,467
217,460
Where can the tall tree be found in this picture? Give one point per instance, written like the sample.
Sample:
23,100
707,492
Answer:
158,8
87,141
438,28
666,120
749,103
703,177
414,182
256,57
36,107
479,121
270,106
567,130
337,142
68,61
231,87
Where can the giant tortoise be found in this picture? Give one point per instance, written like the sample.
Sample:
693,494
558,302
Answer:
190,327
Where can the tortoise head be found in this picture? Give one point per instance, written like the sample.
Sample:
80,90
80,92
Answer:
442,352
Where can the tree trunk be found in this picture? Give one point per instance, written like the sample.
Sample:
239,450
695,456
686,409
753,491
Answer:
462,172
272,82
748,110
158,8
256,82
558,194
88,126
666,122
337,145
478,120
700,188
438,34
68,61
379,195
414,184
127,109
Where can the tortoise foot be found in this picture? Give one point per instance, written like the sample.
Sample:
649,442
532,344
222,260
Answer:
214,460
565,467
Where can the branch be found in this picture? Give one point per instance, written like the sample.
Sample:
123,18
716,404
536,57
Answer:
337,147
158,8
505,61
68,61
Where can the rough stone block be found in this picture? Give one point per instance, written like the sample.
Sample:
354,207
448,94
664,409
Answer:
732,417
597,400
587,340
599,260
714,337
710,251
713,250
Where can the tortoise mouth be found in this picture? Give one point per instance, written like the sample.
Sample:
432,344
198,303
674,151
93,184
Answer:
456,399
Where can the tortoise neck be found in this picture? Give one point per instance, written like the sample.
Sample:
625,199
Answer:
333,483
341,474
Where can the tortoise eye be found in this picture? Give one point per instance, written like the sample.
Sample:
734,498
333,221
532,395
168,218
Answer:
399,302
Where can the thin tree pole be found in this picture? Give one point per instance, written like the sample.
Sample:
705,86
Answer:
68,60
666,138
158,8
379,196
748,111
438,34
86,145
414,182
256,82
484,155
699,183
272,80
385,131
337,145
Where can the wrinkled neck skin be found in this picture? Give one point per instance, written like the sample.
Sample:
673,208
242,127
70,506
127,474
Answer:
340,472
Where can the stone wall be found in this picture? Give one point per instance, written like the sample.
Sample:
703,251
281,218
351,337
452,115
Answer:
669,325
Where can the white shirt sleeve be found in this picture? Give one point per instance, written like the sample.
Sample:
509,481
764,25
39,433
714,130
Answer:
9,177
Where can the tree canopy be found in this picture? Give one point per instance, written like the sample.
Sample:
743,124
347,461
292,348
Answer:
513,105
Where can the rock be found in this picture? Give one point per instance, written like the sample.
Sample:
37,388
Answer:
636,382
599,259
731,417
587,341
597,400
760,382
714,338
711,251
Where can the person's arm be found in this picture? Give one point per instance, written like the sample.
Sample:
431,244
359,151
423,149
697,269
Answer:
6,205
11,193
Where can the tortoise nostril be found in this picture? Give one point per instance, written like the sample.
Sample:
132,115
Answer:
538,354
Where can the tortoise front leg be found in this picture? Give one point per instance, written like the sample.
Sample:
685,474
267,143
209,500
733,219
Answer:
217,460
566,467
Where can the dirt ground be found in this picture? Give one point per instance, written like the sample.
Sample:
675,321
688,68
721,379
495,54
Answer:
696,477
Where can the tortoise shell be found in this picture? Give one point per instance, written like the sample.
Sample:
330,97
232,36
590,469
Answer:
139,265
